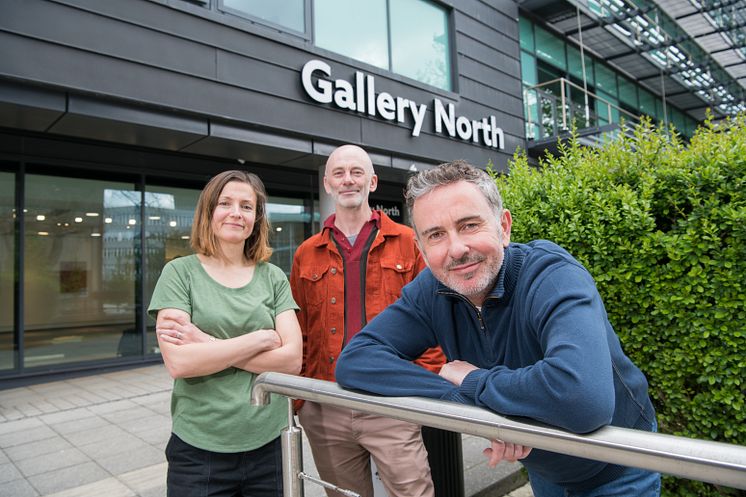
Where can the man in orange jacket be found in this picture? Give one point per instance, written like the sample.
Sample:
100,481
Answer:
342,278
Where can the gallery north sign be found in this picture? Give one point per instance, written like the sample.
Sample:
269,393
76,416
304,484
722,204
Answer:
360,96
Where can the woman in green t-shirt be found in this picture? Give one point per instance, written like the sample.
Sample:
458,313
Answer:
224,315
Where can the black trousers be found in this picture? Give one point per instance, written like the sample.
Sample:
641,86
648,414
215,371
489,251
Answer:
194,472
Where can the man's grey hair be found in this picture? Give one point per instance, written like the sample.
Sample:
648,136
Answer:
449,173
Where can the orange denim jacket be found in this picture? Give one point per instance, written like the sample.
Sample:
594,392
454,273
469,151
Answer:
317,283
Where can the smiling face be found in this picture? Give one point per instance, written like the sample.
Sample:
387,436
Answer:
461,238
235,213
349,177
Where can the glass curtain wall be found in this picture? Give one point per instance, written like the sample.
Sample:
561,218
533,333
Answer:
80,268
85,262
546,57
7,268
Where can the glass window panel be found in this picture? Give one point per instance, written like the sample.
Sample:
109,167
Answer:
287,13
288,218
607,109
547,73
550,48
526,33
691,126
528,69
677,117
531,113
647,102
628,92
575,68
169,213
419,49
606,80
81,240
7,268
355,28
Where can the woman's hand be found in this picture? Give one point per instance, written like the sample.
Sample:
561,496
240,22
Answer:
507,451
269,338
179,331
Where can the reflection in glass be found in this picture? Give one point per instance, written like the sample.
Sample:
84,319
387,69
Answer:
355,28
169,213
288,13
79,268
7,265
606,80
419,49
580,68
288,218
550,48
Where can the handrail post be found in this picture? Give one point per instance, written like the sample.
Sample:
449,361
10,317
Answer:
292,456
563,103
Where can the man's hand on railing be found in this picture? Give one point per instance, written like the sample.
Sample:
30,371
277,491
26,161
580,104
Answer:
456,371
507,451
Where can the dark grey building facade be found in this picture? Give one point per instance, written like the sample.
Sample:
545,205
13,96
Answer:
113,114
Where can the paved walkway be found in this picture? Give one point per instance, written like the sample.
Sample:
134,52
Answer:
104,435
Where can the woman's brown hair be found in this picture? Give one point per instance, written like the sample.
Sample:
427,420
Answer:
203,239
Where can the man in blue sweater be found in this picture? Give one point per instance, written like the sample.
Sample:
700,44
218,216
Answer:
524,330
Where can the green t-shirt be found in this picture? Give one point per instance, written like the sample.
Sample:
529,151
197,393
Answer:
213,412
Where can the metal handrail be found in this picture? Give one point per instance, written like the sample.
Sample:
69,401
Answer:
563,105
704,460
565,81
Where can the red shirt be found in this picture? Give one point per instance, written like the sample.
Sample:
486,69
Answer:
354,258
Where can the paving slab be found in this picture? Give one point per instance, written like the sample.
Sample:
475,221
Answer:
109,487
18,488
124,462
147,480
51,462
13,438
37,448
85,424
9,472
68,478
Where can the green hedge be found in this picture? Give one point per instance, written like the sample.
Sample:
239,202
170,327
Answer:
661,225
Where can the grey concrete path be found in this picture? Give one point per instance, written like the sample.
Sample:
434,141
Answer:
104,436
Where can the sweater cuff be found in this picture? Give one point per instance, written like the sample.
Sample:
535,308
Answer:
455,396
468,387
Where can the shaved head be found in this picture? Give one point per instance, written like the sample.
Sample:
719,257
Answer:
349,177
350,153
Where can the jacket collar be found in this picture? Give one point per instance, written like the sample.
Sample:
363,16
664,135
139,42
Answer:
386,228
507,278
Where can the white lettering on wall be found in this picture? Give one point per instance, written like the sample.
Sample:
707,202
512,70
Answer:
361,97
322,92
392,211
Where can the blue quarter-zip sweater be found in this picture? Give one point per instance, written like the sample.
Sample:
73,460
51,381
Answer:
542,341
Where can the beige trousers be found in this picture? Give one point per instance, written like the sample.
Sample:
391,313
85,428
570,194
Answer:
343,441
